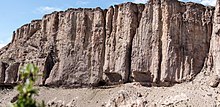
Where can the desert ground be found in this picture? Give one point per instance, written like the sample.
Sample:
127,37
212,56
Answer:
190,94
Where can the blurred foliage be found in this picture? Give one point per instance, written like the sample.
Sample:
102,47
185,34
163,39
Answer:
29,75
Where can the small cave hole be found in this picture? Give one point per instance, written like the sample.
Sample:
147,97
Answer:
102,83
49,64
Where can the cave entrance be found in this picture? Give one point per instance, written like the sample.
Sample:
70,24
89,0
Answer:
49,64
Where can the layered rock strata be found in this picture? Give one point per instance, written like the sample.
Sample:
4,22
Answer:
161,41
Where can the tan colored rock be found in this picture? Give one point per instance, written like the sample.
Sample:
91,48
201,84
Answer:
121,24
162,41
172,41
2,72
68,47
185,40
125,99
79,46
214,81
146,46
212,65
11,73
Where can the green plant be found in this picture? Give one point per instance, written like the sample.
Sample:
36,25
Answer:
29,75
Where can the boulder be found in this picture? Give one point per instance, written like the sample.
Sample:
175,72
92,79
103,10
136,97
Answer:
11,73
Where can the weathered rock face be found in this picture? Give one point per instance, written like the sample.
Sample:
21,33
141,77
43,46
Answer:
161,41
213,62
2,72
121,24
67,46
146,45
11,74
79,48
172,41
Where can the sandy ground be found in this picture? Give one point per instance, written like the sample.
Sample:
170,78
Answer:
190,94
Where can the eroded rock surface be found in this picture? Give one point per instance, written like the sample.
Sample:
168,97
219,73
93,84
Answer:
67,46
172,41
2,72
78,48
163,41
125,98
213,62
121,24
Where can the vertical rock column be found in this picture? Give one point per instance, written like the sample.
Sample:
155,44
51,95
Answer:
185,40
79,47
146,46
172,41
213,63
2,72
11,73
47,45
121,24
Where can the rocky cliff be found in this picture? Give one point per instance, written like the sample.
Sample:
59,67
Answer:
213,63
171,42
163,41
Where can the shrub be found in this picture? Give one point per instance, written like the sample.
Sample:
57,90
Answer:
29,75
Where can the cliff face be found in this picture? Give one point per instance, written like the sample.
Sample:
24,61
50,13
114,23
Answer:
172,41
161,41
213,63
121,24
67,46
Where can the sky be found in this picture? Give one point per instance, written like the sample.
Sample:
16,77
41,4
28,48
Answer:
14,14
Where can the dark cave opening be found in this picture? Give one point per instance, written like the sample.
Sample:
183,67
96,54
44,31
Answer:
49,64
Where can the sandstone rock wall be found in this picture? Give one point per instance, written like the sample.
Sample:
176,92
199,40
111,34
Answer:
121,24
161,41
213,63
79,47
172,41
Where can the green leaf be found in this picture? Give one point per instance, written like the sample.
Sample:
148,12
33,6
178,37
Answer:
26,88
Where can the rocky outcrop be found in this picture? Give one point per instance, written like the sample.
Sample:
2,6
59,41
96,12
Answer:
78,48
161,41
121,24
126,99
67,46
172,41
11,73
213,62
2,72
